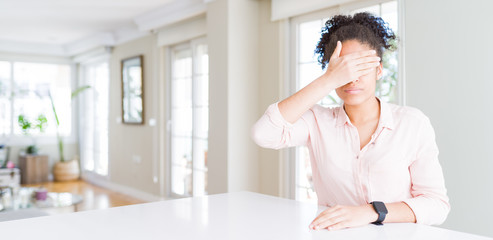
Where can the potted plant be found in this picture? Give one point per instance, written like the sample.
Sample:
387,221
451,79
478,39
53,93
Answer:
64,170
33,166
26,126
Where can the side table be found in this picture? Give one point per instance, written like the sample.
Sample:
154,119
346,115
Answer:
34,168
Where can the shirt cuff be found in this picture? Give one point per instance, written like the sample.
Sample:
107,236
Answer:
427,210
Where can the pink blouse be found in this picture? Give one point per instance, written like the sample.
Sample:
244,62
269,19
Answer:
399,164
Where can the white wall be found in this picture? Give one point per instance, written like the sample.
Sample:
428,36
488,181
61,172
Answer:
217,156
232,33
236,57
448,72
127,141
289,8
269,80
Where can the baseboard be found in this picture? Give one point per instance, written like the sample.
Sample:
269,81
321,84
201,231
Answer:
105,183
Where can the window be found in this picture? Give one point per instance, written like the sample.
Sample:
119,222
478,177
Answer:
5,93
306,35
94,111
189,118
24,90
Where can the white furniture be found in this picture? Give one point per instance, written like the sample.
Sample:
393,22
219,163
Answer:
10,177
21,214
241,215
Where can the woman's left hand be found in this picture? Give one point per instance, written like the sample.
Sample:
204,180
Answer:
338,217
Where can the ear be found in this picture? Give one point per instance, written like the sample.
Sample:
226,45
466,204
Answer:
379,71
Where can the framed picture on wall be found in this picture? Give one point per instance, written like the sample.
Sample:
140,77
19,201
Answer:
133,90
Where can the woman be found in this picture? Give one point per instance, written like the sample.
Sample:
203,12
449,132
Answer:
372,161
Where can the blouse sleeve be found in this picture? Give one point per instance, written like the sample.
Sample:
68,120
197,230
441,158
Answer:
429,201
273,131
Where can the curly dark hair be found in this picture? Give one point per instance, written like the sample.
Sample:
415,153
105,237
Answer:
364,27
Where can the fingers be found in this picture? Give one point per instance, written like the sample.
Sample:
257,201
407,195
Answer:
337,226
356,55
360,54
365,66
329,221
369,59
357,72
337,51
331,212
321,219
363,72
342,217
324,213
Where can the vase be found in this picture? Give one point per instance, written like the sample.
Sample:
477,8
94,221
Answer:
66,171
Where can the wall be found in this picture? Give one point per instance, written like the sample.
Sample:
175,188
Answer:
127,142
234,56
233,64
448,74
270,67
242,94
290,8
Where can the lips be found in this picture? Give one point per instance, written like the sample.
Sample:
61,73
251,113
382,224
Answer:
353,90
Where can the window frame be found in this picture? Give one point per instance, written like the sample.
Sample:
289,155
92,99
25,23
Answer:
104,58
189,44
289,156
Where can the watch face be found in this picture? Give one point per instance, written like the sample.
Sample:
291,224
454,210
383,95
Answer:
380,207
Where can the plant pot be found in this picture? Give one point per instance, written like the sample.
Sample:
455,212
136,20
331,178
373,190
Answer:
66,171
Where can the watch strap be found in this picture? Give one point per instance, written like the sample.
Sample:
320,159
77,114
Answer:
381,211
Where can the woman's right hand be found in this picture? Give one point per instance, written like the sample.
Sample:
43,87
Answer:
345,69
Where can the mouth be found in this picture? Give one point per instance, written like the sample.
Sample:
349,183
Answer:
353,90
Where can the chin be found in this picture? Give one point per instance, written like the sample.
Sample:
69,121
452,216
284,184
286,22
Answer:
354,99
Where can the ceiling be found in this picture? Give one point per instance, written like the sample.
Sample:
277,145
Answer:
62,22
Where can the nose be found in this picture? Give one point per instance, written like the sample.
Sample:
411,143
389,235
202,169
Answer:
354,81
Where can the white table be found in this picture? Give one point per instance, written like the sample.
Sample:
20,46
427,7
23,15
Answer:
241,215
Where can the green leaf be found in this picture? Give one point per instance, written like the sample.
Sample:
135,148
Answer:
42,121
60,148
24,124
79,90
54,110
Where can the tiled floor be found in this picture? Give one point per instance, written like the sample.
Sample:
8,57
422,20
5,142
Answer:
94,197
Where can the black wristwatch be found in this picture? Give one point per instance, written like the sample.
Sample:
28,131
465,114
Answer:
381,210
